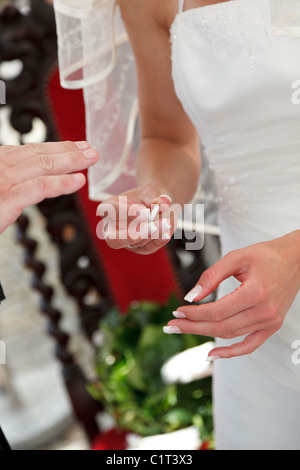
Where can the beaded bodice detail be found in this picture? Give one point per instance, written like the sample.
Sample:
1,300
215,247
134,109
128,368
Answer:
234,80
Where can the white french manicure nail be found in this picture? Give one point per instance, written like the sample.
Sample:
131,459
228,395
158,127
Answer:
191,296
171,329
212,358
178,314
145,214
165,225
166,196
153,228
147,230
166,236
154,211
144,230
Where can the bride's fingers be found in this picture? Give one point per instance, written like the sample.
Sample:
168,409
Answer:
119,223
239,300
150,247
237,325
247,346
117,208
160,237
232,264
123,236
135,235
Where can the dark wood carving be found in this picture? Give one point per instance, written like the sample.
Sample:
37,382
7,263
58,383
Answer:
84,406
31,39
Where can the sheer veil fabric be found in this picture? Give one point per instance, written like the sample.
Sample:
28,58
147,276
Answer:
285,16
95,55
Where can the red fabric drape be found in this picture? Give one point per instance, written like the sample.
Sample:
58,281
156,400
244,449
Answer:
131,277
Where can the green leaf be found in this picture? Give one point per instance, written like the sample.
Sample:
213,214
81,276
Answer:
178,418
135,378
128,367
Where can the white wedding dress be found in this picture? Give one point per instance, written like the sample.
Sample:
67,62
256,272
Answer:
234,80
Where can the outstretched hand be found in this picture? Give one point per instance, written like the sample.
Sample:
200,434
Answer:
269,274
139,220
34,172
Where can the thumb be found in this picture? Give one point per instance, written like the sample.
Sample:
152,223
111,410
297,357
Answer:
163,199
160,205
229,265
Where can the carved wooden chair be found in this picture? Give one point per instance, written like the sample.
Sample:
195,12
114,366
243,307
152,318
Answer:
89,269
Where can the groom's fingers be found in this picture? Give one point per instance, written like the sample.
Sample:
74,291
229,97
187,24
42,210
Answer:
34,191
58,164
12,155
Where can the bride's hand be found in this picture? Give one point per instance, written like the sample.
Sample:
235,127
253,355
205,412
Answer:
269,274
139,220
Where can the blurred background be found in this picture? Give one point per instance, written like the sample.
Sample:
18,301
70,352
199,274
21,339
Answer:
87,365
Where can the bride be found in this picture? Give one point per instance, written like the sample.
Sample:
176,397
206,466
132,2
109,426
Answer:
212,70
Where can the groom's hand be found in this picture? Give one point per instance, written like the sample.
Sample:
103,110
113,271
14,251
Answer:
34,172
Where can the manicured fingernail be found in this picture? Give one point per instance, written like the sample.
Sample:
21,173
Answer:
145,214
178,314
144,230
165,225
147,229
153,228
166,196
191,296
82,145
78,177
171,330
166,236
212,358
154,211
90,154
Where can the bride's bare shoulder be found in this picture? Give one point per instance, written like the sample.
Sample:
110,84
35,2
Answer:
139,14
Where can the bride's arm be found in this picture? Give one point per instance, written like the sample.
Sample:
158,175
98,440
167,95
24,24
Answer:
169,151
168,160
